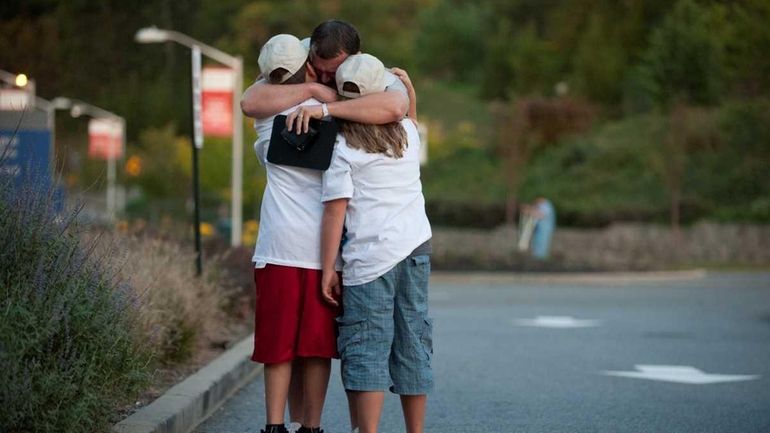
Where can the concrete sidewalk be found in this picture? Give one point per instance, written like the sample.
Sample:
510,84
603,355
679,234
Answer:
191,401
617,278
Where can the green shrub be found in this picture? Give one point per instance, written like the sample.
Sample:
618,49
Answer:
731,178
465,213
69,334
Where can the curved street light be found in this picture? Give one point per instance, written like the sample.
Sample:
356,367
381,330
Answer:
151,35
79,108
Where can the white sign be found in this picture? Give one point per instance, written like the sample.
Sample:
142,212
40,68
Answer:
217,79
560,322
14,99
679,374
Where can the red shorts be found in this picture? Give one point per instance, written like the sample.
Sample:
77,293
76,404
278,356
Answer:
291,317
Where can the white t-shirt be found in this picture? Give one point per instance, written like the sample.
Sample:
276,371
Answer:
385,218
290,218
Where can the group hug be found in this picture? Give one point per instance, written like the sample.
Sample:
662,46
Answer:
342,258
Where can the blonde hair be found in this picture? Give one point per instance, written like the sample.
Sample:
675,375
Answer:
388,139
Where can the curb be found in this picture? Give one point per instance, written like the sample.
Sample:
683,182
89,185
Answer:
567,278
191,401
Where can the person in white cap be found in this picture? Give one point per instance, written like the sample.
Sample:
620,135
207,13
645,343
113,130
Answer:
294,330
330,44
373,188
283,60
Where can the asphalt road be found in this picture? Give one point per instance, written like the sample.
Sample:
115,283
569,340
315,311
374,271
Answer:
529,356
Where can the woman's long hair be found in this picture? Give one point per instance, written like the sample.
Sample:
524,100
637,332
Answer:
388,139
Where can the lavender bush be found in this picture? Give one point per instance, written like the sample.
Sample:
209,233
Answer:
70,346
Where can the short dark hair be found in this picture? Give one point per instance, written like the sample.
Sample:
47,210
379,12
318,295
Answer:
332,37
278,74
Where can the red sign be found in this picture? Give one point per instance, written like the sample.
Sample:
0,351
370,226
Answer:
105,138
217,113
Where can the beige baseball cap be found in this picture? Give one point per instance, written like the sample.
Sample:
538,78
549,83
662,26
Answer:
282,51
365,71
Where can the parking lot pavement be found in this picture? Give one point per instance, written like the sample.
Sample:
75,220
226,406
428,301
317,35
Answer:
687,355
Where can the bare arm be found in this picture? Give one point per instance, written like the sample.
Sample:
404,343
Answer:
263,100
376,108
404,77
331,234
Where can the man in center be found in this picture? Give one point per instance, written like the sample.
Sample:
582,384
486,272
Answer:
330,44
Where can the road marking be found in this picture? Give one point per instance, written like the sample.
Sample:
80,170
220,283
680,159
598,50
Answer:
679,374
560,322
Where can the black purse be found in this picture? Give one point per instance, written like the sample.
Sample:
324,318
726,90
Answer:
312,149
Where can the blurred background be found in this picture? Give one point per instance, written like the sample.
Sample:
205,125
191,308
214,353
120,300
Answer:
627,115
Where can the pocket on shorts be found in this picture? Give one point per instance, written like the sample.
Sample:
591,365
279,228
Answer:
350,337
419,269
426,337
421,260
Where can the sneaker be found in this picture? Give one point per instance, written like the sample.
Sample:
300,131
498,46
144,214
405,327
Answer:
275,429
294,427
304,429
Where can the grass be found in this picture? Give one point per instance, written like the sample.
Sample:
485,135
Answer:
177,308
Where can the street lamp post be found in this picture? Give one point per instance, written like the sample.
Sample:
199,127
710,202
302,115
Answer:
150,35
197,142
78,108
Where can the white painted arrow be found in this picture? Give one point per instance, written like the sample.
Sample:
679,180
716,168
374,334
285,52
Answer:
562,322
679,374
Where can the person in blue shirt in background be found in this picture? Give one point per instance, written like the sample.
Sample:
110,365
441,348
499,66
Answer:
545,214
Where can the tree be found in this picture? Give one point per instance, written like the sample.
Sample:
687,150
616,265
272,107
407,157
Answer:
749,34
527,124
519,63
449,40
684,61
689,128
599,63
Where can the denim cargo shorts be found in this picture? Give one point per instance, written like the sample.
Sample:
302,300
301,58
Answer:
385,335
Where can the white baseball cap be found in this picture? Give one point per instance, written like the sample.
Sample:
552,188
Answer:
282,51
365,71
